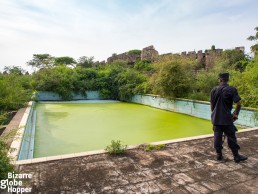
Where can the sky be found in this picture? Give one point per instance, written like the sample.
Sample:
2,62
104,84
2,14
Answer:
100,28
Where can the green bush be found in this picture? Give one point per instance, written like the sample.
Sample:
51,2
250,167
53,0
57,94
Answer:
202,85
246,84
232,59
116,148
143,65
5,165
15,91
60,79
6,117
135,51
3,117
107,81
128,83
174,77
150,147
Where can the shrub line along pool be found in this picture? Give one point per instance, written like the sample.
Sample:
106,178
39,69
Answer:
54,118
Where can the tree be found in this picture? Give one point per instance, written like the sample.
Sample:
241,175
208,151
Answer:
129,83
254,48
41,61
85,62
15,91
14,70
60,79
232,59
107,79
143,65
174,77
213,47
85,80
67,61
203,83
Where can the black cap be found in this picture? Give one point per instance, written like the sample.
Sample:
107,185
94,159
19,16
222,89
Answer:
224,75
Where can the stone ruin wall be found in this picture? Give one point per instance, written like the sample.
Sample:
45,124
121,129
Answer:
208,57
149,53
129,57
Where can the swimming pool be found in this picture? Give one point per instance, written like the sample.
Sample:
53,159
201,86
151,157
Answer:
63,128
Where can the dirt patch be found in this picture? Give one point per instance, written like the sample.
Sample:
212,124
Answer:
94,175
136,156
157,163
129,168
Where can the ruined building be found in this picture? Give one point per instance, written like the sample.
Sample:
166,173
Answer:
129,57
207,58
149,53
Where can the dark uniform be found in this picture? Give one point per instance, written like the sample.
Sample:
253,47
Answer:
222,98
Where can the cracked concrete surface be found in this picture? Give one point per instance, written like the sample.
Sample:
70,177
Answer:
183,167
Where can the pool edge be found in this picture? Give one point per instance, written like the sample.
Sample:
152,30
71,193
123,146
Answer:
96,152
15,146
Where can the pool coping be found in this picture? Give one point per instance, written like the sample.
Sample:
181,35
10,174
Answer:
102,151
17,140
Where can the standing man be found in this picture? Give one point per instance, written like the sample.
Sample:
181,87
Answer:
221,102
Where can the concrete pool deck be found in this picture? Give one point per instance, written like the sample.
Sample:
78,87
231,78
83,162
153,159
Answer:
181,167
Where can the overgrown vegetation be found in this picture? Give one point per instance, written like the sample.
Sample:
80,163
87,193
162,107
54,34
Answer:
150,147
5,165
135,51
15,91
143,65
173,77
116,148
3,118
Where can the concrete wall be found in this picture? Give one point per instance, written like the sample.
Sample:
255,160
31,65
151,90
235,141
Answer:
27,145
90,95
199,109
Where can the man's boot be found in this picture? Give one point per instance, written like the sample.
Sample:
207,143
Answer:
238,157
219,156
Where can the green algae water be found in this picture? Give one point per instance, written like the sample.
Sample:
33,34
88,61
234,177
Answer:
63,128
